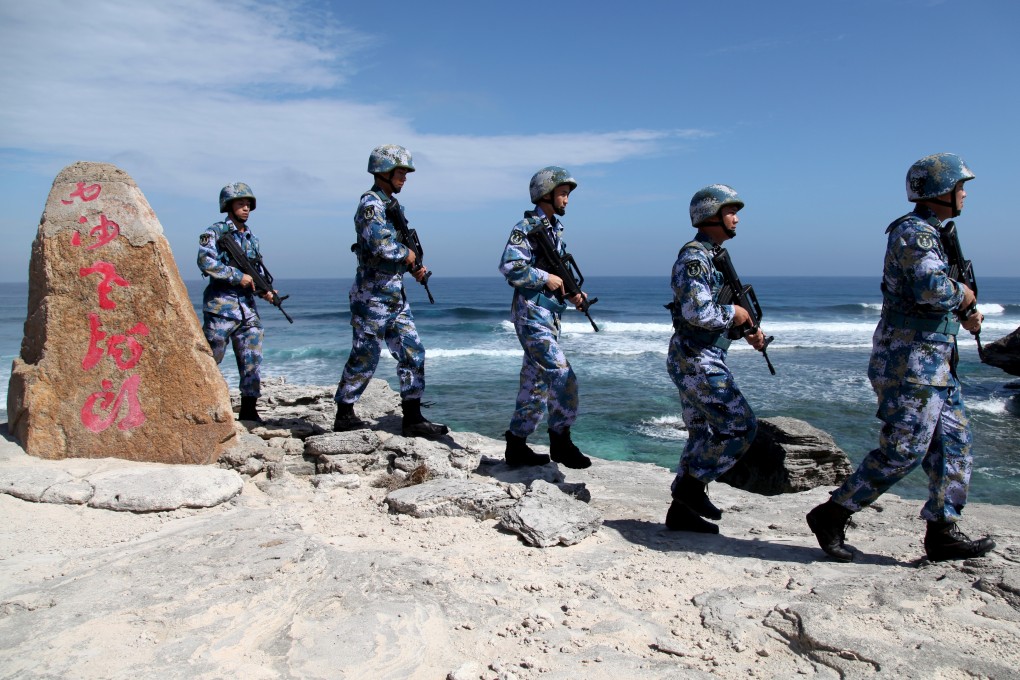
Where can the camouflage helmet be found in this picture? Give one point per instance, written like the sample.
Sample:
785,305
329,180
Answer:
547,179
389,157
935,175
707,202
234,191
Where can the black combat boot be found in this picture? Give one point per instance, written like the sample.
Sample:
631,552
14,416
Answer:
945,541
828,523
679,517
414,423
691,491
248,411
519,454
562,450
346,420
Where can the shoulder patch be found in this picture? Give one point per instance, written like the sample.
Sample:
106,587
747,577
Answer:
695,269
205,239
368,212
925,241
517,237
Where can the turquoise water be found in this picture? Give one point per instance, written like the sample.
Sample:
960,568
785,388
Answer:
629,406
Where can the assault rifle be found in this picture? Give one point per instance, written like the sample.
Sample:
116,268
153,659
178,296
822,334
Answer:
409,237
565,267
734,292
255,269
962,271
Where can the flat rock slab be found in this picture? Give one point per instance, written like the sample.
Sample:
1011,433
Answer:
113,484
547,516
44,485
154,489
450,498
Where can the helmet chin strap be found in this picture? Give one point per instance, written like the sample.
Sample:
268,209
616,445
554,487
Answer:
552,206
716,222
388,179
952,205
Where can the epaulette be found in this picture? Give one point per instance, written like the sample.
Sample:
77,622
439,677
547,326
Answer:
221,228
700,245
377,195
531,221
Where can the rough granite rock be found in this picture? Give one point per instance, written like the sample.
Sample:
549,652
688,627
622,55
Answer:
113,360
1004,353
788,456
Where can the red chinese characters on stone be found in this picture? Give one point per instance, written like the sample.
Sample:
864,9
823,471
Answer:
85,193
111,404
110,277
117,345
104,232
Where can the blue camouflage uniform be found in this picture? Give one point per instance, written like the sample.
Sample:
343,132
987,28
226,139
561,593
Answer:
547,380
913,373
228,310
720,424
379,309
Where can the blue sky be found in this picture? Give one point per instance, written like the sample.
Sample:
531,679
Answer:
813,111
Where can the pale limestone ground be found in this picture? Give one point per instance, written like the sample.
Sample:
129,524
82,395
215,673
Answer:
287,581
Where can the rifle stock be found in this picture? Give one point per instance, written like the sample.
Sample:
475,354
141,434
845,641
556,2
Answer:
734,292
409,237
256,270
563,266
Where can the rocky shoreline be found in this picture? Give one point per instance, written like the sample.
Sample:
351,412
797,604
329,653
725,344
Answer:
313,554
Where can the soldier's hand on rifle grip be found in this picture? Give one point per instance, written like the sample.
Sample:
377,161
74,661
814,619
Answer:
756,339
740,317
973,322
269,295
419,273
969,298
554,283
578,300
410,259
247,281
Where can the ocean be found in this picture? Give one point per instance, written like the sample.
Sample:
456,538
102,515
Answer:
630,409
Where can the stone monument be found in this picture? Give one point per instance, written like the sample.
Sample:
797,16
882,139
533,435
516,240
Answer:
113,362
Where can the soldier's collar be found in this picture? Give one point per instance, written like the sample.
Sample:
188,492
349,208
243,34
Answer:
234,227
928,215
376,189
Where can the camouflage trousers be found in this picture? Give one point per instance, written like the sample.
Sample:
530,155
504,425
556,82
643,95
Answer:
246,337
376,319
922,424
720,424
547,380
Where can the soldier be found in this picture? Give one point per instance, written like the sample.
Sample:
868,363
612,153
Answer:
913,373
228,303
547,380
379,309
720,424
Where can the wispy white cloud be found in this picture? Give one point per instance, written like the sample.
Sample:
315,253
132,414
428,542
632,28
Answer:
193,94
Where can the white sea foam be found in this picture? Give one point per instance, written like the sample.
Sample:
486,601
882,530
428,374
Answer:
996,406
472,352
664,427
